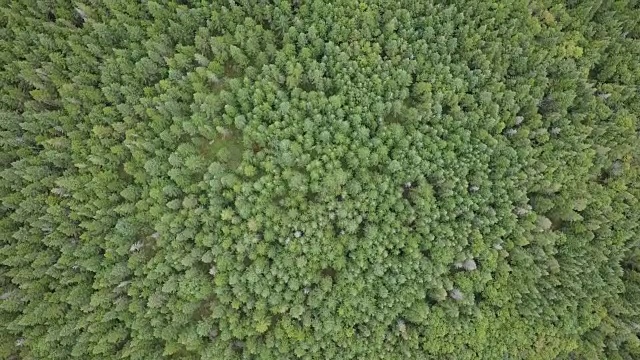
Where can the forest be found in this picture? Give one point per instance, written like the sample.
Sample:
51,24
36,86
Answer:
320,179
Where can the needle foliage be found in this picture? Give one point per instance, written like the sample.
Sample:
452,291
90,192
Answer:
313,179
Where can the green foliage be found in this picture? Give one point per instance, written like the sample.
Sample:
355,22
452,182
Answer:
319,180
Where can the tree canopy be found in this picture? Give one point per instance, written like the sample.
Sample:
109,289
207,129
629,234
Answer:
307,179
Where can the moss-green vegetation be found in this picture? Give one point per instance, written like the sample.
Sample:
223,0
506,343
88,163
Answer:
313,179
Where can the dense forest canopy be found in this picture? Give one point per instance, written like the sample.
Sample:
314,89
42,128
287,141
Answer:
310,179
